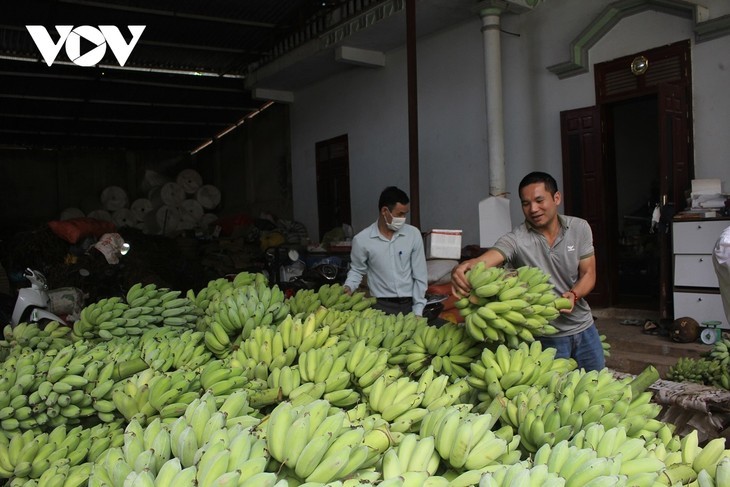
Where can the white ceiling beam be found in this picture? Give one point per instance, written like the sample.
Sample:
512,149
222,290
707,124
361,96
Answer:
360,57
282,96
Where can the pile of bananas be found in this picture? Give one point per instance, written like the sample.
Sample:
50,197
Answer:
508,372
145,307
509,306
718,373
333,396
52,336
720,352
605,345
165,348
199,448
59,454
381,330
701,371
236,311
467,441
331,296
449,349
314,443
578,399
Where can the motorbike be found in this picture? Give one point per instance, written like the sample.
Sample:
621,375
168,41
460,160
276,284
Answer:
33,303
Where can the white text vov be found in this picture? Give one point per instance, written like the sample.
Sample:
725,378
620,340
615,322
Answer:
70,36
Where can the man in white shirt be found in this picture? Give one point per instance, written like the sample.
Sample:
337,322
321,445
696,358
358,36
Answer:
390,252
721,261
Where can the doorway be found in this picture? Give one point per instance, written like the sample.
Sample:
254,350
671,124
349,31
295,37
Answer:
635,132
333,183
622,157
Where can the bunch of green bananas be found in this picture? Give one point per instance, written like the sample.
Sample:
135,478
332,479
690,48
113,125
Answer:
467,441
699,370
29,457
234,313
385,393
165,348
536,475
381,330
265,346
577,466
198,448
574,401
720,352
31,335
413,454
45,389
330,296
103,319
334,296
304,301
366,363
315,443
448,348
150,305
506,307
507,372
605,345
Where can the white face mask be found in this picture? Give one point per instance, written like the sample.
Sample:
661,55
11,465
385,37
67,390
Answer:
396,223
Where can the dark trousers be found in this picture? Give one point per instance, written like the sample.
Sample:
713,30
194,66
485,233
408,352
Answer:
393,306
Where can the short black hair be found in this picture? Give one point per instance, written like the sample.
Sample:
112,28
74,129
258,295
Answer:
539,177
391,196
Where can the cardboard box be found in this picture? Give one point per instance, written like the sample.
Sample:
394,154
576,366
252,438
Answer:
443,244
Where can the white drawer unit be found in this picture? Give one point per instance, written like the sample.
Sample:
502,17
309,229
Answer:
696,292
694,270
700,306
697,237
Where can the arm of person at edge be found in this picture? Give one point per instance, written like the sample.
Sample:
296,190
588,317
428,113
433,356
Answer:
585,283
420,277
358,268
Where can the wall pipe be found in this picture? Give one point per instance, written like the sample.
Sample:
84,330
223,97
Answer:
413,162
495,111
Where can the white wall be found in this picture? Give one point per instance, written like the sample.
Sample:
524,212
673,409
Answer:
371,107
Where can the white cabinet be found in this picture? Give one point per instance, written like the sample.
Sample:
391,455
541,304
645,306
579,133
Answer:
696,293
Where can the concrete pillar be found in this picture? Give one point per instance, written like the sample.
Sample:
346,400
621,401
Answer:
491,14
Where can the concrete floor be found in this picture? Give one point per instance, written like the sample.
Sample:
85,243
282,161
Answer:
632,350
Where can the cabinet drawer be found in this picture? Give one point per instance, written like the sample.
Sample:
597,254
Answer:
694,270
697,237
700,306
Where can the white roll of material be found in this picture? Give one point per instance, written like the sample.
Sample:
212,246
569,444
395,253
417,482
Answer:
189,180
114,198
208,196
141,207
168,219
172,194
192,210
124,218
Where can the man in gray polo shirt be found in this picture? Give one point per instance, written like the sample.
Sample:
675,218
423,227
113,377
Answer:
561,246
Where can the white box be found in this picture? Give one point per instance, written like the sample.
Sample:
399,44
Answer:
443,244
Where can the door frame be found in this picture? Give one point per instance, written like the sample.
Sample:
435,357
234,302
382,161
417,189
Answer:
615,81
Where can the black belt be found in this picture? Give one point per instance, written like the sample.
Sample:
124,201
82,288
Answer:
397,300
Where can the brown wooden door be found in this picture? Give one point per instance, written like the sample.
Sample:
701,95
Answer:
675,177
586,189
333,183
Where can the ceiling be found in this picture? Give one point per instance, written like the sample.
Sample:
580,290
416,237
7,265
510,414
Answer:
182,84
190,76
